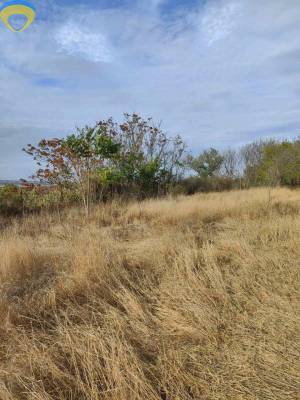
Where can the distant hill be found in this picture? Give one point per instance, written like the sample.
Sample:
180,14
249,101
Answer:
4,182
8,182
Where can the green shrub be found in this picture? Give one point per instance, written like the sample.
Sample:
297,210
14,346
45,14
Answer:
197,184
11,200
19,200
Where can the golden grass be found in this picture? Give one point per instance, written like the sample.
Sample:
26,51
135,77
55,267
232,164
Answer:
175,299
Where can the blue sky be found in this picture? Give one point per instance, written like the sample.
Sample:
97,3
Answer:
219,72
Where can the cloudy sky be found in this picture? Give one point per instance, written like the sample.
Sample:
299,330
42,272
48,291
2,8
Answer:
219,72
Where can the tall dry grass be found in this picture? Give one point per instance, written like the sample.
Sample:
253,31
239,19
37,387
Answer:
187,298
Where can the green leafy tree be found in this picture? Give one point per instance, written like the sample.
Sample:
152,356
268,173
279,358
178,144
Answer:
207,164
135,155
280,164
149,160
251,156
74,160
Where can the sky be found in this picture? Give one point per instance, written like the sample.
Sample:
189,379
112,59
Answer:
218,72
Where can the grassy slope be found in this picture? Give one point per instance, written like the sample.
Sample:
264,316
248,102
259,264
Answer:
194,298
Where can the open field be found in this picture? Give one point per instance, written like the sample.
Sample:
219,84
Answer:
188,298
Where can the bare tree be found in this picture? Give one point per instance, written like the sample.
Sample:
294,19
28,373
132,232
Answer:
230,165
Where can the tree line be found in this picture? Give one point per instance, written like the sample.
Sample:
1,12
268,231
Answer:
137,159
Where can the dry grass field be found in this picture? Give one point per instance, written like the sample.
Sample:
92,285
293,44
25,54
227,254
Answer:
176,299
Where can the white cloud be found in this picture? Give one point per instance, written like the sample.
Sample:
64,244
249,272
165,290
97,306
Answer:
75,40
219,20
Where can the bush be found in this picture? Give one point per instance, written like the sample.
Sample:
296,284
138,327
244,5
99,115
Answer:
196,184
23,200
11,200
